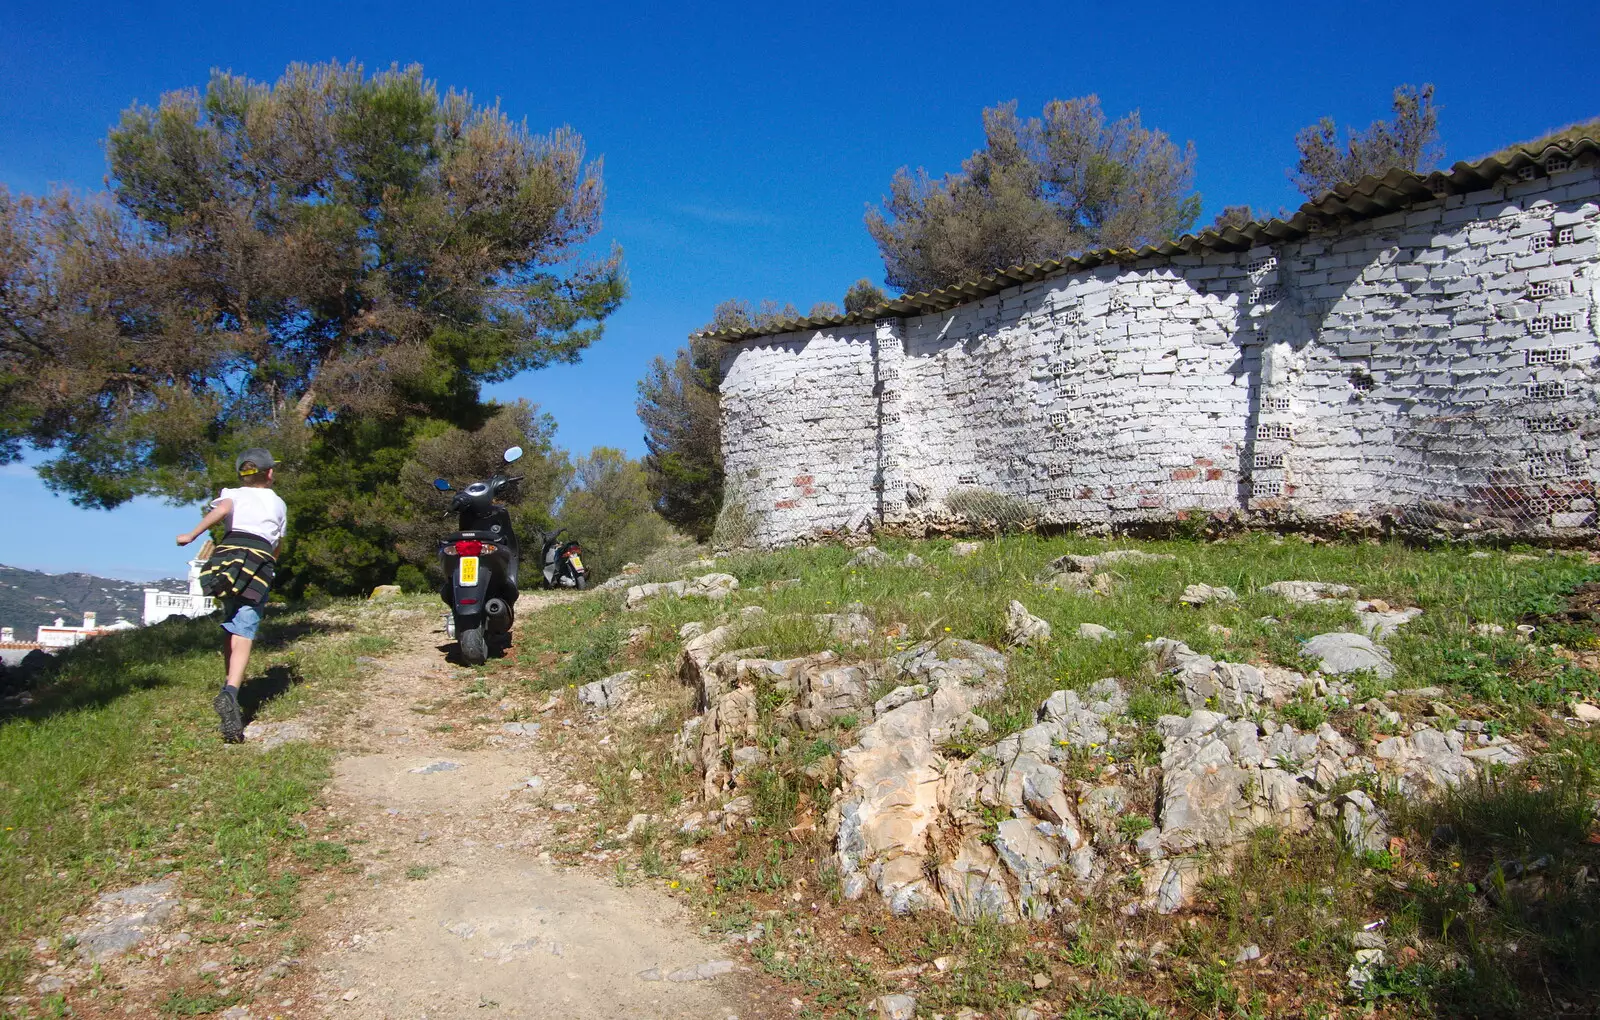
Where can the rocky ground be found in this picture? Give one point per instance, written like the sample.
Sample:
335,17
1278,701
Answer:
960,781
443,812
1135,796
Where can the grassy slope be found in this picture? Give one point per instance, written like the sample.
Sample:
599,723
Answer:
1474,956
117,776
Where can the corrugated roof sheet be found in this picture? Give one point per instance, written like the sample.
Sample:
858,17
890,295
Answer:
1367,198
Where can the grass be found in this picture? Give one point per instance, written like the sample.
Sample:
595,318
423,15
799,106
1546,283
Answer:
1503,881
1298,898
967,597
579,638
116,776
204,1003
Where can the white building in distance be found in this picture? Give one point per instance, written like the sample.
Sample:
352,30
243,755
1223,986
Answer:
158,605
62,636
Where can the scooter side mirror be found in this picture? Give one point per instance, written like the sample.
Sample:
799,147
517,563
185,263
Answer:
513,454
441,485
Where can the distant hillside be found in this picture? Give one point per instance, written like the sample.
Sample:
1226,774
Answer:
30,599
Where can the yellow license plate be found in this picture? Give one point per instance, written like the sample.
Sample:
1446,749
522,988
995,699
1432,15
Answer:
469,570
577,564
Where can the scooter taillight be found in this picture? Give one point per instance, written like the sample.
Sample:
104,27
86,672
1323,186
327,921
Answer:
469,548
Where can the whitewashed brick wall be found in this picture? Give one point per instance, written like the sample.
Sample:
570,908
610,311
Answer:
1434,364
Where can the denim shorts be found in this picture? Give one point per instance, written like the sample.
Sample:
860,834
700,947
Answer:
241,618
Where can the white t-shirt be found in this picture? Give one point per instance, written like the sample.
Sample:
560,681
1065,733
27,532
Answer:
256,511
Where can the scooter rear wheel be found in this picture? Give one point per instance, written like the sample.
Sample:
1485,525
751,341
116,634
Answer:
583,582
474,645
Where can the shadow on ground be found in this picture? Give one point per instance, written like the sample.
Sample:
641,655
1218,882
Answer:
257,691
499,648
99,671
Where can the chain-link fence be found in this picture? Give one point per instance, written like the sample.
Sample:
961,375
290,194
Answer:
1520,469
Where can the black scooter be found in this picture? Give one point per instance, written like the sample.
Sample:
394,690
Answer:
480,563
562,562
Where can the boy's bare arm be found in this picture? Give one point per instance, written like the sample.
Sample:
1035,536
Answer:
223,508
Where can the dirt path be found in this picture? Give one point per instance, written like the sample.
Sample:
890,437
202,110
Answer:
460,910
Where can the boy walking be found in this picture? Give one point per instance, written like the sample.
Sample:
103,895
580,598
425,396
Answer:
240,571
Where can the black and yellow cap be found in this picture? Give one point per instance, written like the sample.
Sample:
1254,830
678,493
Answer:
253,461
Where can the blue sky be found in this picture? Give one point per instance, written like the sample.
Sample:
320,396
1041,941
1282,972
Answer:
743,142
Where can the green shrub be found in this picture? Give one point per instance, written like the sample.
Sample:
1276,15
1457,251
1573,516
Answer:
995,512
411,580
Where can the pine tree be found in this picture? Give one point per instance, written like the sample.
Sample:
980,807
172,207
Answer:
1039,189
330,266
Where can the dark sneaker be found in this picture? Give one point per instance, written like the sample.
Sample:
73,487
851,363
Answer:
232,721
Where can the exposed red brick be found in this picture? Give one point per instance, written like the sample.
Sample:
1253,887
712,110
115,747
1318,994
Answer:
1149,502
1086,493
805,479
808,491
1214,475
786,504
1185,475
1203,462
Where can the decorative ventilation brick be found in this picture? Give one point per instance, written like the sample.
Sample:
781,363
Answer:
1265,295
1550,423
1066,389
1274,431
967,479
1539,324
1058,470
1563,320
1550,356
891,417
1061,443
1541,242
1275,403
1556,164
1566,235
1556,390
1262,265
891,396
1269,460
1542,289
1059,419
1056,495
1260,489
1361,382
1551,464
1527,173
1439,186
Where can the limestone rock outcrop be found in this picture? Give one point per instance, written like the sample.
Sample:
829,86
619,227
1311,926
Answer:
930,812
1023,628
1308,592
1341,652
711,586
1231,687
